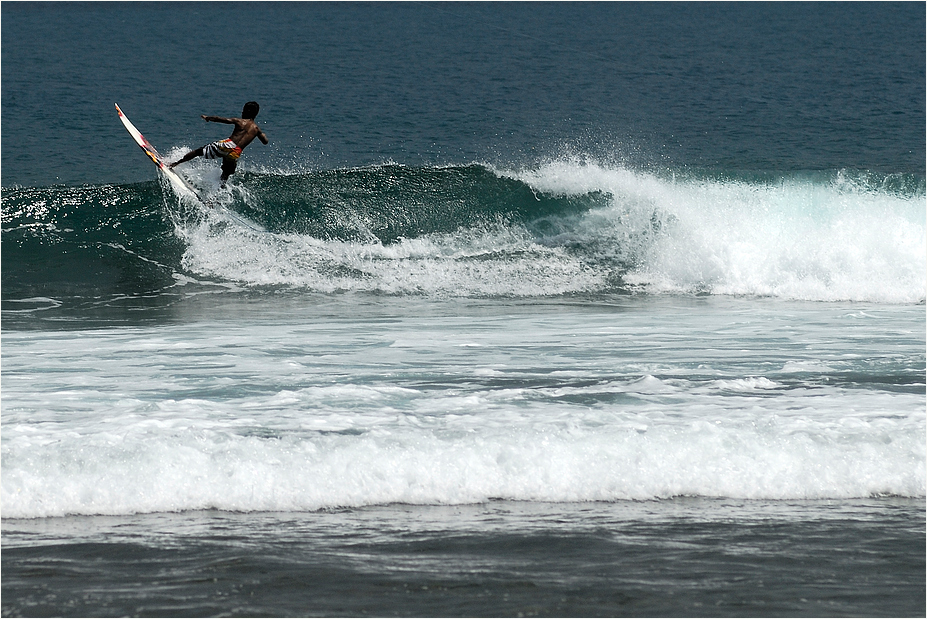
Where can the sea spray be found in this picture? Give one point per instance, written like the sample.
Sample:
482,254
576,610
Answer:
815,237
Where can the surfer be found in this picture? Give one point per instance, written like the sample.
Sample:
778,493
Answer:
230,149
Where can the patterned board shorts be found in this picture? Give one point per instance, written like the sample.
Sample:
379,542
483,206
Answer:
225,149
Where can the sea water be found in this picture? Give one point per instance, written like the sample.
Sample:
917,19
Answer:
561,310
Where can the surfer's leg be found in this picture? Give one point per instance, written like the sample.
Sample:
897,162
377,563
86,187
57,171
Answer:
228,168
191,155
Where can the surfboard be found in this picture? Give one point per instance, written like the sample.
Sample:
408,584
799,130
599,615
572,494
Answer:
180,184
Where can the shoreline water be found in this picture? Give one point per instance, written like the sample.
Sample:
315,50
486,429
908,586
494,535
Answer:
679,557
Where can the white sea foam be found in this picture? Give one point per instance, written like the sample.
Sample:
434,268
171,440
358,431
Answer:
473,263
286,413
794,238
167,463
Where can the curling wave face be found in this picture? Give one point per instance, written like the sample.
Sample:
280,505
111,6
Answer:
568,226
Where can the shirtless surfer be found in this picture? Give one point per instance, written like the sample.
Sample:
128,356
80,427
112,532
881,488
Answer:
230,149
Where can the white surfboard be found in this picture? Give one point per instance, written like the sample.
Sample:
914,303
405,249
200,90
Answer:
180,184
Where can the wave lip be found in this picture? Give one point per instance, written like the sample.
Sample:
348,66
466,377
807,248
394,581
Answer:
819,237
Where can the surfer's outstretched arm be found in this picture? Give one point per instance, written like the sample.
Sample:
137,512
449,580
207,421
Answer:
218,119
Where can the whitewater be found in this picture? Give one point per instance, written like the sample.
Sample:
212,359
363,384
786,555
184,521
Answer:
556,403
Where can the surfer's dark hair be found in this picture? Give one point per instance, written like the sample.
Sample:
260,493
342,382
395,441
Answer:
250,110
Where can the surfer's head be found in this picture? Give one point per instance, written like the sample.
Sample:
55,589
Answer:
250,110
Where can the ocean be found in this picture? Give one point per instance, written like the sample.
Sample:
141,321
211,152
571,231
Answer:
554,309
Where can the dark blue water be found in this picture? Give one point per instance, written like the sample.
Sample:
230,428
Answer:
693,558
725,86
563,309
